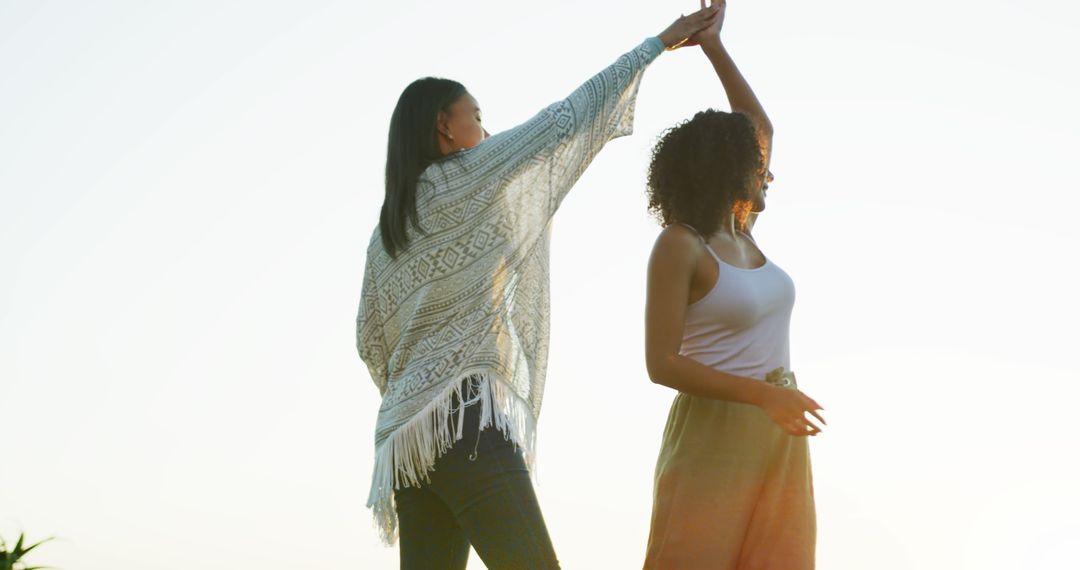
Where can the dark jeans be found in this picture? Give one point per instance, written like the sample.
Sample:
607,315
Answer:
480,494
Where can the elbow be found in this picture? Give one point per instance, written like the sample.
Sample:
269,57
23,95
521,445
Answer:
766,128
658,368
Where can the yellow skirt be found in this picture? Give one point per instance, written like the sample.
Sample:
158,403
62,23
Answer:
733,491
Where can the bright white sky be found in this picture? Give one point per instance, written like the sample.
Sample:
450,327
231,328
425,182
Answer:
187,190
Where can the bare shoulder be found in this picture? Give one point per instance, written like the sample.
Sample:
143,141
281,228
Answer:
678,245
678,235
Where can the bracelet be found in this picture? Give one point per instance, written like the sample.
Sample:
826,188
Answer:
677,44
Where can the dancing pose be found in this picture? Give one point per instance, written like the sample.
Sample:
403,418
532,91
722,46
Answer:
453,319
733,486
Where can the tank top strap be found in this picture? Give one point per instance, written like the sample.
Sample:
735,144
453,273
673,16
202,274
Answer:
705,243
693,229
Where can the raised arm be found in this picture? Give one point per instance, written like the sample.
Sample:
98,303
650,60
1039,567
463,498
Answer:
602,105
739,94
741,97
531,168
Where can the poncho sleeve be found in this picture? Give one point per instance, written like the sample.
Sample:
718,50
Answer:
536,163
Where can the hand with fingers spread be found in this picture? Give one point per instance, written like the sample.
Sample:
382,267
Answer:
679,32
788,407
710,33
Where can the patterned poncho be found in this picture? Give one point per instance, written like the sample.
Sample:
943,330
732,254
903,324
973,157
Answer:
469,298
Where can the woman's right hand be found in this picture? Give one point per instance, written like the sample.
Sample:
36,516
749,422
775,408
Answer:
787,408
686,26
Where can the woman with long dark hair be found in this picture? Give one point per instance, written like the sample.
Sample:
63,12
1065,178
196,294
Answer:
453,320
733,488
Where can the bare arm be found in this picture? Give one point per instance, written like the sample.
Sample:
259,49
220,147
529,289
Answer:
740,96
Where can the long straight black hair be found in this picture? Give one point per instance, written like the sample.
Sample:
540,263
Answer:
413,146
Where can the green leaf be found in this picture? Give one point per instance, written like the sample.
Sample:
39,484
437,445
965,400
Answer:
10,560
37,544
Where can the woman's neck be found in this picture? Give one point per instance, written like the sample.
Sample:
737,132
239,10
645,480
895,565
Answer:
727,227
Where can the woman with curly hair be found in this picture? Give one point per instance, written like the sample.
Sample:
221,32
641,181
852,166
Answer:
733,487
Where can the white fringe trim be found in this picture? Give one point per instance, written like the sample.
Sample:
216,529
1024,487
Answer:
405,457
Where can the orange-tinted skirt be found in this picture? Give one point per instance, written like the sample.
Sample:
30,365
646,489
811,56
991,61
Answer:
732,492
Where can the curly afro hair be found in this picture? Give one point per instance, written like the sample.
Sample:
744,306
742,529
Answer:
703,170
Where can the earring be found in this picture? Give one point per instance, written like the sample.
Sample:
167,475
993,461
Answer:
449,136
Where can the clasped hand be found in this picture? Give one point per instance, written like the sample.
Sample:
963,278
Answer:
700,27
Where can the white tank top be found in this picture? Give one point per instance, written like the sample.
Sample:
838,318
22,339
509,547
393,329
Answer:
741,325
